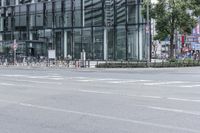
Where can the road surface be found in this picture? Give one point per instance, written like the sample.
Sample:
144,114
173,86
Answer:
49,100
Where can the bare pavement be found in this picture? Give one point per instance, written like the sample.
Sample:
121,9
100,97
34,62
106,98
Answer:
49,100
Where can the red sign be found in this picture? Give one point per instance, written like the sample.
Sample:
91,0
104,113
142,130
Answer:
183,40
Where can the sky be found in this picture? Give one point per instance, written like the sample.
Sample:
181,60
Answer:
153,1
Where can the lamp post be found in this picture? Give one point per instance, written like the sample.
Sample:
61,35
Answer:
148,34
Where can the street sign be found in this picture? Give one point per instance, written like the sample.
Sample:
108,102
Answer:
51,54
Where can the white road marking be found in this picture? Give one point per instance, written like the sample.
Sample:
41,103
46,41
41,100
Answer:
182,99
108,117
189,86
51,77
16,85
6,84
140,96
175,110
85,80
38,82
164,83
127,81
47,108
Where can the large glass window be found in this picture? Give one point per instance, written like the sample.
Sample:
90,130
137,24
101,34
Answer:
120,42
67,13
32,18
110,41
22,18
77,43
77,18
133,42
120,12
87,42
58,14
132,14
98,43
48,15
39,15
17,13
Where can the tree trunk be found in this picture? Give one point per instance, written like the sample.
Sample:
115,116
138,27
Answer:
171,54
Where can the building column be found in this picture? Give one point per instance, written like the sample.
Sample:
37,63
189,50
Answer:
140,44
17,2
65,44
105,45
30,38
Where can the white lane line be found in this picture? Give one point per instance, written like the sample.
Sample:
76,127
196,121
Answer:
175,110
128,81
189,86
6,84
140,96
85,80
51,77
109,117
164,83
38,82
182,99
16,85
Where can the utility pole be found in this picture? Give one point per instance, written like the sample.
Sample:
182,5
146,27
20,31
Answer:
148,34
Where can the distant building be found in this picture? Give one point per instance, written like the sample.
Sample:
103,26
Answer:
105,29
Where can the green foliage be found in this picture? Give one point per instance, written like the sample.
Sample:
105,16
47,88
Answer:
170,63
172,16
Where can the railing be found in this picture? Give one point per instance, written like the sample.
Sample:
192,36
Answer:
33,62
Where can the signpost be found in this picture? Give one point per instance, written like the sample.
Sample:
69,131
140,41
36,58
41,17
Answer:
14,49
51,54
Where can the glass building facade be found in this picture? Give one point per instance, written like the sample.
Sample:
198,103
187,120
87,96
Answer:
105,29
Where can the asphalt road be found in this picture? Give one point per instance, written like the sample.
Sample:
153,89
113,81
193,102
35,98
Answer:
39,100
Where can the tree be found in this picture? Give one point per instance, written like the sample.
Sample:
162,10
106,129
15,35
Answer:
172,16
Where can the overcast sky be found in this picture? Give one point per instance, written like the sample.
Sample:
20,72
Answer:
153,1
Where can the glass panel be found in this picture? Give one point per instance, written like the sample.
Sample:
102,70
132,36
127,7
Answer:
121,43
109,13
77,18
110,37
77,4
120,10
133,43
98,43
132,2
87,42
39,15
58,20
67,19
39,19
87,17
77,43
67,5
48,15
58,43
69,42
132,14
32,20
23,20
97,17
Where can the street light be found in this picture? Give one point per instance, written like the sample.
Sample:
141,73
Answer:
148,34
